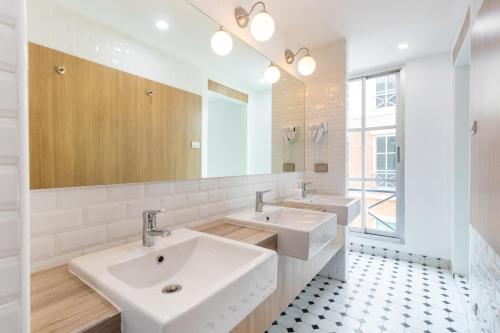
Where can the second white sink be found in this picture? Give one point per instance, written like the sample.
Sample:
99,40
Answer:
301,233
346,208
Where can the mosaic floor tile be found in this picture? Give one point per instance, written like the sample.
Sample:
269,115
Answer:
382,295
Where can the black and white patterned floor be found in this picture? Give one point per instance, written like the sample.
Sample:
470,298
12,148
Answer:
382,295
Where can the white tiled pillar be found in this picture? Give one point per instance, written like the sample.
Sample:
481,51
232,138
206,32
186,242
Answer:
13,167
326,91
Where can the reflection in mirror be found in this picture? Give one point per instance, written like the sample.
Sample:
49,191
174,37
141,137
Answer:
125,91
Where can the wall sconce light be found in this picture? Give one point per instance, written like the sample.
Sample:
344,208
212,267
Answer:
307,64
272,74
262,25
221,42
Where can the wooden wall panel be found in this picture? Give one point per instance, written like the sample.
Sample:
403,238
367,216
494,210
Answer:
485,109
227,91
71,122
183,121
96,125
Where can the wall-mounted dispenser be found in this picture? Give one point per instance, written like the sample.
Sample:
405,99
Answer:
318,132
290,133
290,136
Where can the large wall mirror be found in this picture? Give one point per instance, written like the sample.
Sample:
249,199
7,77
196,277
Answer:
125,91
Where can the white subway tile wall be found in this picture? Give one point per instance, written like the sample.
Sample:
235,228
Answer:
9,171
326,91
59,233
484,285
288,110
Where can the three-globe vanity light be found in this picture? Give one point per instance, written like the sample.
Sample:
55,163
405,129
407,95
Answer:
262,25
221,42
307,64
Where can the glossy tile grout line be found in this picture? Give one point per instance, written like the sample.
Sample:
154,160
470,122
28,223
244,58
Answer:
382,295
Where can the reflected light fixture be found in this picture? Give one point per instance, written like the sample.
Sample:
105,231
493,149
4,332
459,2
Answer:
161,25
221,42
272,74
262,25
307,64
403,46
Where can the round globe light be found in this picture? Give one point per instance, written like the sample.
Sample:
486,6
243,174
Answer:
307,65
272,74
262,26
221,43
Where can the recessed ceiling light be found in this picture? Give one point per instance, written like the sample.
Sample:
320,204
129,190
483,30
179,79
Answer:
403,46
161,25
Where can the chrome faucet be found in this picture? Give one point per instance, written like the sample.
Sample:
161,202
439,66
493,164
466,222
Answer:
303,189
259,201
149,230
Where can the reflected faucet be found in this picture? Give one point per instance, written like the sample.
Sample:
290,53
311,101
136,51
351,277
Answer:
303,189
259,201
149,230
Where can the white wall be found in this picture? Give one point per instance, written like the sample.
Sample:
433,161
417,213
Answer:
259,145
428,91
226,138
461,173
14,283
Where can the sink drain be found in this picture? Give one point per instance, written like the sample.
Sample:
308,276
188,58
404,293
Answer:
171,288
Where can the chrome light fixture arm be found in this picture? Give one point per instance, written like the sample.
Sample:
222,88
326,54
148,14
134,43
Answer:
290,56
243,17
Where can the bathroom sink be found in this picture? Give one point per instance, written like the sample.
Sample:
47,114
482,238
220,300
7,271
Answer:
346,209
189,282
301,233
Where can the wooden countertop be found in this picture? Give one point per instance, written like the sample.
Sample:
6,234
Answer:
255,236
60,302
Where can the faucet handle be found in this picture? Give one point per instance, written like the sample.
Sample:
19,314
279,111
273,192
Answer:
152,212
262,192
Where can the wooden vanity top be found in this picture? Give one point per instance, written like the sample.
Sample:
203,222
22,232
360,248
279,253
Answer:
60,302
260,237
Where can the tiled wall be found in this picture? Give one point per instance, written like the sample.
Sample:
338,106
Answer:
71,222
10,168
288,111
485,285
325,100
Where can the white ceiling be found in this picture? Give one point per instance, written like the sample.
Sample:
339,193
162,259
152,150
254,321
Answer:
373,28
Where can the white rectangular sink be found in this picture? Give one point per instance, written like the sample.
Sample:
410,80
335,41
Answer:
301,233
346,208
221,282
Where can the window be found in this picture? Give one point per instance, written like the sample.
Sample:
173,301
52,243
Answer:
385,91
385,157
375,144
